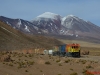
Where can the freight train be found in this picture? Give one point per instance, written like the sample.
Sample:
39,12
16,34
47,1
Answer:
70,50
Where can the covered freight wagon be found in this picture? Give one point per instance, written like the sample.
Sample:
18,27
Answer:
62,50
55,50
59,50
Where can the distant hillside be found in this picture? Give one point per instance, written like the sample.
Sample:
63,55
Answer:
53,25
12,39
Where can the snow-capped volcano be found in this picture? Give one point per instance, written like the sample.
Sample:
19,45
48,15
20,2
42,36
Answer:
49,15
48,22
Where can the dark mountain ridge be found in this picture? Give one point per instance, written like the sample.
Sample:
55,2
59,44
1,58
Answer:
54,25
12,39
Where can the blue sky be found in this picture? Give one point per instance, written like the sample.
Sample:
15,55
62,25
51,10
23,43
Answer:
89,10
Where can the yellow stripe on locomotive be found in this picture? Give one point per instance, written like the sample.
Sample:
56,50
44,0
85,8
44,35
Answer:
73,48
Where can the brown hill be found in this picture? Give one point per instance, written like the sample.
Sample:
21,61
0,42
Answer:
12,39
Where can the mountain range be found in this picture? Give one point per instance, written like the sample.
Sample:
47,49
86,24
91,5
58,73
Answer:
53,24
13,39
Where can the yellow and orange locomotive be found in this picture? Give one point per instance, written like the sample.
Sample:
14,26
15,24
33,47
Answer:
72,50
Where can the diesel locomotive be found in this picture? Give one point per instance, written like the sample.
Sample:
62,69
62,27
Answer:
70,50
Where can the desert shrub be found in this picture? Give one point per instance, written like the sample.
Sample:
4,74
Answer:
26,56
96,61
19,66
47,62
31,62
91,61
84,61
19,59
88,73
85,72
3,63
71,69
89,66
14,62
57,61
6,63
5,58
59,74
30,55
74,73
26,70
49,56
24,64
67,61
60,64
85,52
10,64
41,71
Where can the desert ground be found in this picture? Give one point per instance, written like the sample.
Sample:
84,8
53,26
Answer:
37,64
21,63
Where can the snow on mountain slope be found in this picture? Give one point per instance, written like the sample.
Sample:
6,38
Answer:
19,24
77,26
68,21
49,15
48,23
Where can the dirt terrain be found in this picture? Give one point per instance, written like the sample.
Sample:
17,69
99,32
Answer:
17,63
